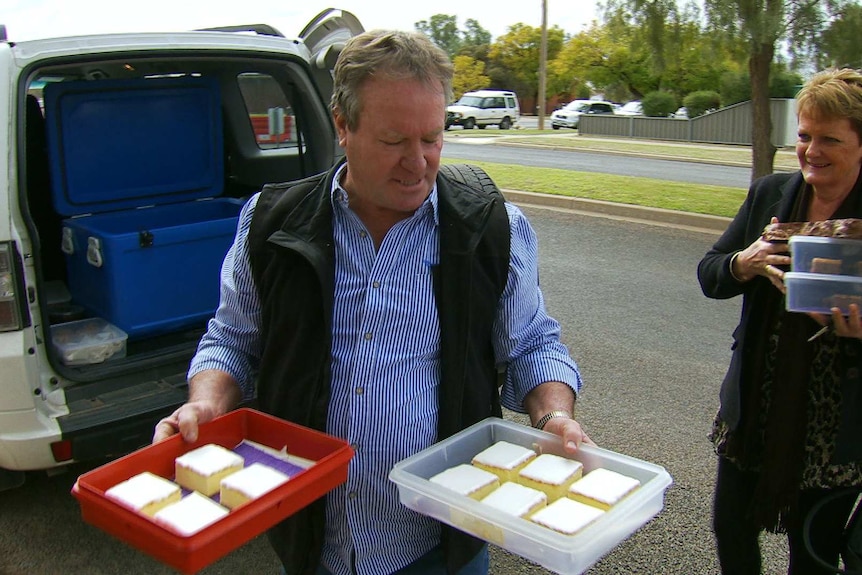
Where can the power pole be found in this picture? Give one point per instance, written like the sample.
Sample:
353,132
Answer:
543,64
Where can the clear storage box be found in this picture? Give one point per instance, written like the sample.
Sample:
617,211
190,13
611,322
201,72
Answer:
818,293
88,341
567,554
812,254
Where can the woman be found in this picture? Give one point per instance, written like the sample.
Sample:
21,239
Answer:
789,428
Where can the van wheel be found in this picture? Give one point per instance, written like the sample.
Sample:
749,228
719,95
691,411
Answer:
505,124
481,126
469,123
554,126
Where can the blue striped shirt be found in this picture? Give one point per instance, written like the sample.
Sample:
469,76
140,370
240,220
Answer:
386,365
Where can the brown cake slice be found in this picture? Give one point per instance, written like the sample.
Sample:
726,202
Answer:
848,228
825,266
782,231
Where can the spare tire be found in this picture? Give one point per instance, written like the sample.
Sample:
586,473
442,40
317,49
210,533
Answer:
470,175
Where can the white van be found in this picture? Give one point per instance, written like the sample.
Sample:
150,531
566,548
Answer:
484,108
122,174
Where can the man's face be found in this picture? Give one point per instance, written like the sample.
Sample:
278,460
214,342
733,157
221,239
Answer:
394,153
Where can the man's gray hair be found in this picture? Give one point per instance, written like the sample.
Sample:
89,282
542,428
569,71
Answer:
395,54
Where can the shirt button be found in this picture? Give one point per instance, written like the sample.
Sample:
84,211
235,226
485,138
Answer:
363,234
359,391
352,495
354,446
368,336
375,284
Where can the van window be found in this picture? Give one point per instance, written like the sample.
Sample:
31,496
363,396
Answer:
269,111
474,101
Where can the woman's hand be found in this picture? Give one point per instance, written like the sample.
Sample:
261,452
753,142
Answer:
849,325
762,258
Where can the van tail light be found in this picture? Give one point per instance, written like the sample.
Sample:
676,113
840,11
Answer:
11,289
62,450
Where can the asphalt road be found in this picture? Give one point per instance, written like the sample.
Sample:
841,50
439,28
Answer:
484,149
652,350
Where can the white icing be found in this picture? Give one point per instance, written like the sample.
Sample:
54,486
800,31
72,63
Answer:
604,485
464,478
142,489
504,455
551,469
254,480
566,515
191,514
209,459
514,498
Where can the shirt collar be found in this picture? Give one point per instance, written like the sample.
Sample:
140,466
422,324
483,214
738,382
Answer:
339,196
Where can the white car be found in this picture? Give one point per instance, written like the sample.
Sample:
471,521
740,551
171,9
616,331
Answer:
126,161
569,115
633,108
484,108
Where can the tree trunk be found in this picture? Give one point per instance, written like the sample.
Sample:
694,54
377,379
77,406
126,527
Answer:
763,152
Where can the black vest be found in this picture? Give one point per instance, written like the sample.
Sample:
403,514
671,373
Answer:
293,264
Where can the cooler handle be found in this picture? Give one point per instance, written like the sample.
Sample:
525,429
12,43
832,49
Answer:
94,252
67,241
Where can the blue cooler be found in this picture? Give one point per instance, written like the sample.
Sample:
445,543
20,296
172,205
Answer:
137,170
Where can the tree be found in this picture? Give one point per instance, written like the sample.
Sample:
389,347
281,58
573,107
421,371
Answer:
762,24
442,29
606,58
667,44
841,41
736,85
698,103
474,35
517,51
659,104
469,75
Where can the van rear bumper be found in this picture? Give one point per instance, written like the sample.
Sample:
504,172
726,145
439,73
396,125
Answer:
101,423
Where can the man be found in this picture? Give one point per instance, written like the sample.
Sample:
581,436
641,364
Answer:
376,302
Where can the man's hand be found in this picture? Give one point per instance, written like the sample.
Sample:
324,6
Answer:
556,396
186,420
211,393
571,432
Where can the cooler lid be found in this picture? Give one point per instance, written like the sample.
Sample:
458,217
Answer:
120,144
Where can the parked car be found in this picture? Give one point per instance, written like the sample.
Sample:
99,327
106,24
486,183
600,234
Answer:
569,115
484,108
633,108
120,201
680,113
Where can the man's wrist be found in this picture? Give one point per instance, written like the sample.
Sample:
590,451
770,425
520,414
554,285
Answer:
543,421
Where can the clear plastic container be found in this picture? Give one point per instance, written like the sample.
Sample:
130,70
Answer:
88,341
818,293
813,254
560,553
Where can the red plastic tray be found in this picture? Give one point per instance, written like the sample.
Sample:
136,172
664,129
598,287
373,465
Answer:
191,554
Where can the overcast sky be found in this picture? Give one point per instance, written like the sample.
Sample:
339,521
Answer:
29,19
